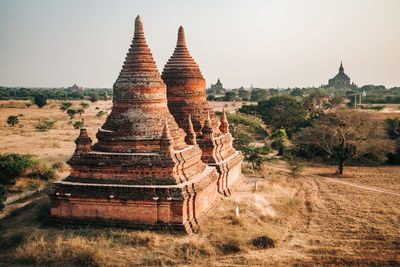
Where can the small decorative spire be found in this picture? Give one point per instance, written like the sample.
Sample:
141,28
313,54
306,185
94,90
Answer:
166,135
224,126
191,135
207,128
166,150
181,37
83,142
341,69
138,25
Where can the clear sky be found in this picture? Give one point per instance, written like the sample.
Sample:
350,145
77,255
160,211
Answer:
267,43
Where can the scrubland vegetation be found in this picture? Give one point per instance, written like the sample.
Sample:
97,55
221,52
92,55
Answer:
265,217
280,219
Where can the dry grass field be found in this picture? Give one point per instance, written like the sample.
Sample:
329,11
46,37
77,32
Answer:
310,220
56,144
316,219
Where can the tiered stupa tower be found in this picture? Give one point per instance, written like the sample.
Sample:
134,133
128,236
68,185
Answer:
186,93
141,172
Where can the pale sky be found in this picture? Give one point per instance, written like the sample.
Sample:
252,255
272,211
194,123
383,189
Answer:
267,43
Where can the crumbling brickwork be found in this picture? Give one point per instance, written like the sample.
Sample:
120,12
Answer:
141,172
186,93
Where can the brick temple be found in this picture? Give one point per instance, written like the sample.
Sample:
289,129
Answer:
187,101
150,168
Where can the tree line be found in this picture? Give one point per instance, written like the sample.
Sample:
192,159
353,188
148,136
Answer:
333,133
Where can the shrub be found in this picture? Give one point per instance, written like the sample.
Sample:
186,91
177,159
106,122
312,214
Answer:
294,164
100,113
93,97
80,111
12,166
12,120
84,105
263,242
59,166
12,241
44,125
42,171
32,186
210,97
77,124
71,112
28,105
3,197
40,100
65,105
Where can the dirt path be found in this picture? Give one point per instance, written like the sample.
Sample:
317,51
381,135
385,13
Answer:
333,180
344,224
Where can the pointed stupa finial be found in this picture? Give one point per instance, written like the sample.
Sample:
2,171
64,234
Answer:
83,142
341,69
224,127
166,142
181,37
166,135
191,134
207,128
138,25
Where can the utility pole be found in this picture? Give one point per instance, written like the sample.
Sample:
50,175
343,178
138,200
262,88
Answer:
355,101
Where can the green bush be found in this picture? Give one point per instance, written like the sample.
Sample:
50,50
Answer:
12,166
42,171
80,111
3,197
93,97
65,105
12,120
263,242
44,125
100,113
40,100
71,112
84,105
77,124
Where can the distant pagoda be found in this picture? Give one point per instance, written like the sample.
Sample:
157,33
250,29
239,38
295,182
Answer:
141,173
186,93
341,80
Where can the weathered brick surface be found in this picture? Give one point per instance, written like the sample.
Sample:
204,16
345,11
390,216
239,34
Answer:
186,93
141,172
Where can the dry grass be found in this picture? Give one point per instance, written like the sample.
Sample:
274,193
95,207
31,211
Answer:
303,221
287,221
264,222
57,144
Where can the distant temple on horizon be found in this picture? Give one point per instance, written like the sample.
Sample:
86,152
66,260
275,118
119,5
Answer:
76,87
217,87
341,80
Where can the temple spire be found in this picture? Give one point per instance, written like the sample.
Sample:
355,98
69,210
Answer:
207,128
191,135
181,37
166,135
166,150
83,142
138,25
341,69
224,127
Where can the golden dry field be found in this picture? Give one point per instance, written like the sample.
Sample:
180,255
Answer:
56,144
318,218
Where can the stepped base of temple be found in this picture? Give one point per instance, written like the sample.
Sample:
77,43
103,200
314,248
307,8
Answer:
230,173
178,207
